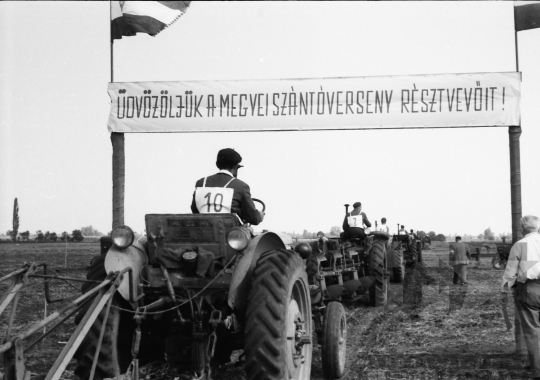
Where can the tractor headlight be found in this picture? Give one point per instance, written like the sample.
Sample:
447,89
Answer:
122,236
238,238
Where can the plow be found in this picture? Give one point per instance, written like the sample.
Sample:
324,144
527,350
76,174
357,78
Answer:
13,349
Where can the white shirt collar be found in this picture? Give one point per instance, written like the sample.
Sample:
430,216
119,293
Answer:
226,172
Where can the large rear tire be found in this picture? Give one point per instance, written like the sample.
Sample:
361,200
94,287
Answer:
419,248
397,263
278,297
312,268
115,354
377,266
334,342
412,256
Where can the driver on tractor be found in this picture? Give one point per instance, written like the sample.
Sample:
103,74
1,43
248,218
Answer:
223,192
353,224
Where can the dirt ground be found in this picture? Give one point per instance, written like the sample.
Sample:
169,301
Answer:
430,329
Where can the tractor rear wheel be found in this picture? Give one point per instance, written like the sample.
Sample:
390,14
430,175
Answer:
334,341
278,319
397,263
377,266
412,257
419,248
312,267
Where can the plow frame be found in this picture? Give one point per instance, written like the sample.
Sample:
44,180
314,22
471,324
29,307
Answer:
102,295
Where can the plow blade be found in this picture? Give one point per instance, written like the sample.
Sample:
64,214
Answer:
366,282
352,286
335,291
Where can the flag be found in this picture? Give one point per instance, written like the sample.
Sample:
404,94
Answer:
526,15
131,17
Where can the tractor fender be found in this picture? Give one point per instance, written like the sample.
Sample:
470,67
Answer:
241,277
133,256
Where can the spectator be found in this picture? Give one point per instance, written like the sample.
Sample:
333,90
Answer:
522,274
459,259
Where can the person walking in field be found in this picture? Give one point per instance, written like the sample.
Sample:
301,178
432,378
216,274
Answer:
522,273
460,255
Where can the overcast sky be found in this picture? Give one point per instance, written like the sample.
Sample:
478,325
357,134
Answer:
55,151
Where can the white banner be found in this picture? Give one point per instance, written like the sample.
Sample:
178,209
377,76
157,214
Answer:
413,101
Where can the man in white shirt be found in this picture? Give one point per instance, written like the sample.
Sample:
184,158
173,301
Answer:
523,272
383,227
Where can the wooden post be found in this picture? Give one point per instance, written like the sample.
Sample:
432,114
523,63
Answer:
119,174
514,132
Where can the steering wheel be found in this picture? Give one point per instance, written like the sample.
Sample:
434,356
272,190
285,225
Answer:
261,202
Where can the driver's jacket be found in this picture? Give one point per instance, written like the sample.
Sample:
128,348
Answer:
242,204
364,220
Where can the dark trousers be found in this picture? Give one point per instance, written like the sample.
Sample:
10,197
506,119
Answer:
528,307
521,346
460,274
353,233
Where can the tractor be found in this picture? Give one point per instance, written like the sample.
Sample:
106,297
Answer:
203,287
344,270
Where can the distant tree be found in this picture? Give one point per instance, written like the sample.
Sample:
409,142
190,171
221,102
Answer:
9,232
440,237
90,231
40,236
489,234
334,231
432,235
53,236
64,236
480,236
47,235
421,234
25,235
77,235
15,220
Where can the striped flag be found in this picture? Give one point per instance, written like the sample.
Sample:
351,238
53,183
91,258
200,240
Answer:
131,17
526,15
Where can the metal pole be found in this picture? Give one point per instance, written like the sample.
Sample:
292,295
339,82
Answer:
514,132
118,160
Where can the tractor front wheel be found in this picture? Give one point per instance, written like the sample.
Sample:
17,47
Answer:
278,319
334,341
377,266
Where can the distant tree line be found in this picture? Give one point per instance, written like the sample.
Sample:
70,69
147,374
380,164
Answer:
75,236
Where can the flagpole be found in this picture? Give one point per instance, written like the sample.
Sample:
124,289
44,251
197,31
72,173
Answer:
514,133
118,157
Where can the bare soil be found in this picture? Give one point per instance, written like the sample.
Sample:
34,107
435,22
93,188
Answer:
430,329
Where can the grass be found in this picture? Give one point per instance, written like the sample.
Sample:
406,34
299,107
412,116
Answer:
423,333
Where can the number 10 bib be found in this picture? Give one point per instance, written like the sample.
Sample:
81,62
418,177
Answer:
214,200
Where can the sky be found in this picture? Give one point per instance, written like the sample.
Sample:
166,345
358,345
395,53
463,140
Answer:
55,150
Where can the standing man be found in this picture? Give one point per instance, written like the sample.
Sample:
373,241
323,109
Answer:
353,224
459,259
522,273
224,192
